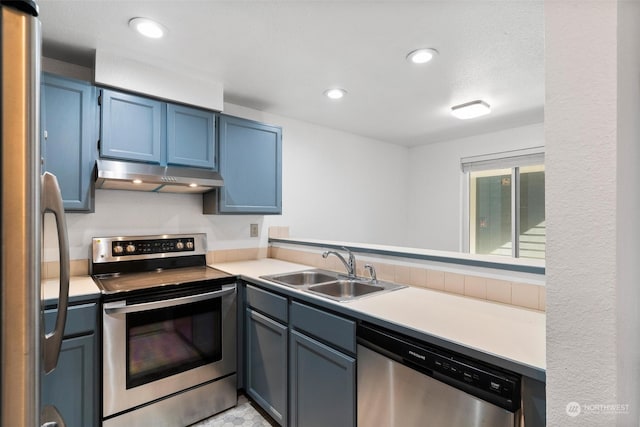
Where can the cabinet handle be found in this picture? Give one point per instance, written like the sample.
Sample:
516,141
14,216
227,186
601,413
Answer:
52,202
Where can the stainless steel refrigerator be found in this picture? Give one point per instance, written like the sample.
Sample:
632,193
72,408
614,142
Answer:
27,352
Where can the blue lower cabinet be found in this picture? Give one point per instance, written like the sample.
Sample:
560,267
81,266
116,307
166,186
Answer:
298,366
251,165
321,384
72,387
266,364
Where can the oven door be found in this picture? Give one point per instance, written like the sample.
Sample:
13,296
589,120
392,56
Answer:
159,347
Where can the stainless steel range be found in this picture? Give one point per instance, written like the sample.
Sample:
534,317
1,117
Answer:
168,331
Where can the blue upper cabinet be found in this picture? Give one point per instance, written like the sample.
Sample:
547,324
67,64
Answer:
251,165
190,137
131,127
69,135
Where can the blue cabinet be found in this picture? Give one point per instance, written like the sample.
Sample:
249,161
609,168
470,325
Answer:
322,374
265,350
130,127
73,386
69,135
147,130
190,137
251,165
299,364
70,387
266,364
322,384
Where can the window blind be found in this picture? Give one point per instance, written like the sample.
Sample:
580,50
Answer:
503,160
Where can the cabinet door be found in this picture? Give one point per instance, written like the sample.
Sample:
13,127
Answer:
266,369
251,165
131,127
190,137
322,384
69,138
71,387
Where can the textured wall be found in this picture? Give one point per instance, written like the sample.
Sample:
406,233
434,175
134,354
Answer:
628,175
581,152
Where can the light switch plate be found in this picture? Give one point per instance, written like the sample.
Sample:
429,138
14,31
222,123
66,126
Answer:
253,230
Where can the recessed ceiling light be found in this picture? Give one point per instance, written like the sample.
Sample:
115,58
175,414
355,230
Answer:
470,110
147,27
193,185
335,93
421,56
137,181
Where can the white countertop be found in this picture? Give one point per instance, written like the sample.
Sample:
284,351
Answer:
79,286
508,332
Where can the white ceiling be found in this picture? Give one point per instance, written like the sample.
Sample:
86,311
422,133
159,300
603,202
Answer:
279,57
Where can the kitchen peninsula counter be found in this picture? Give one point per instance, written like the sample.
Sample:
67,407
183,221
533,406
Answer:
507,336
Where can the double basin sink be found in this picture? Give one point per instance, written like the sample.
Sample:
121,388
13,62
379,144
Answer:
332,285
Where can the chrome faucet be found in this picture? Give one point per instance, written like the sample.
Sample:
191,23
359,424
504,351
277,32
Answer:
372,272
349,265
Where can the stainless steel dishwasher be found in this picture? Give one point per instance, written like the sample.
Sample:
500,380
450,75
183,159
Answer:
405,383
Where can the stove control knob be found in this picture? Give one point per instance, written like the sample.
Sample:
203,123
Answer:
118,249
179,246
189,245
131,249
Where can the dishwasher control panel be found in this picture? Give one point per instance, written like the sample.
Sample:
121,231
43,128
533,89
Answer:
462,369
488,382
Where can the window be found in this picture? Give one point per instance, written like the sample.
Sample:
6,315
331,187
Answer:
505,204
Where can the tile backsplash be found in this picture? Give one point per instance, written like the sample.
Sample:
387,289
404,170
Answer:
51,269
473,286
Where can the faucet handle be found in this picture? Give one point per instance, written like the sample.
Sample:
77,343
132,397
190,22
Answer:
372,272
352,261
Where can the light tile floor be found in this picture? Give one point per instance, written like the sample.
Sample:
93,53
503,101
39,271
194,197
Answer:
243,415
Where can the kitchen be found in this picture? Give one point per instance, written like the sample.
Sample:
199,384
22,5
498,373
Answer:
571,285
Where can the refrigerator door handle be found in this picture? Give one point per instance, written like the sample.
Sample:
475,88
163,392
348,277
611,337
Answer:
52,202
50,417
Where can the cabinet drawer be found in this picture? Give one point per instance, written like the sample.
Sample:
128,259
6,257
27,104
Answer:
81,319
268,303
327,327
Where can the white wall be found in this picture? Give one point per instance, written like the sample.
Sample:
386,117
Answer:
435,202
138,213
335,186
339,186
591,133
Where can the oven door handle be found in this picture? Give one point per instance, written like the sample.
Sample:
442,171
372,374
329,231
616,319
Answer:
121,307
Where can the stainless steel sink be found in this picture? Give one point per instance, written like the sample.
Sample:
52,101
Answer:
345,289
332,285
304,278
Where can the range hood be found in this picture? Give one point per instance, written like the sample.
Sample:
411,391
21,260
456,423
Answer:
123,175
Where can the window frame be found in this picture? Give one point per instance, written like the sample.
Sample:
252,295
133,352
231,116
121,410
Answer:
513,160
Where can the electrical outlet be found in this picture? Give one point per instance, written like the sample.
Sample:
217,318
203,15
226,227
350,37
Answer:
253,230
